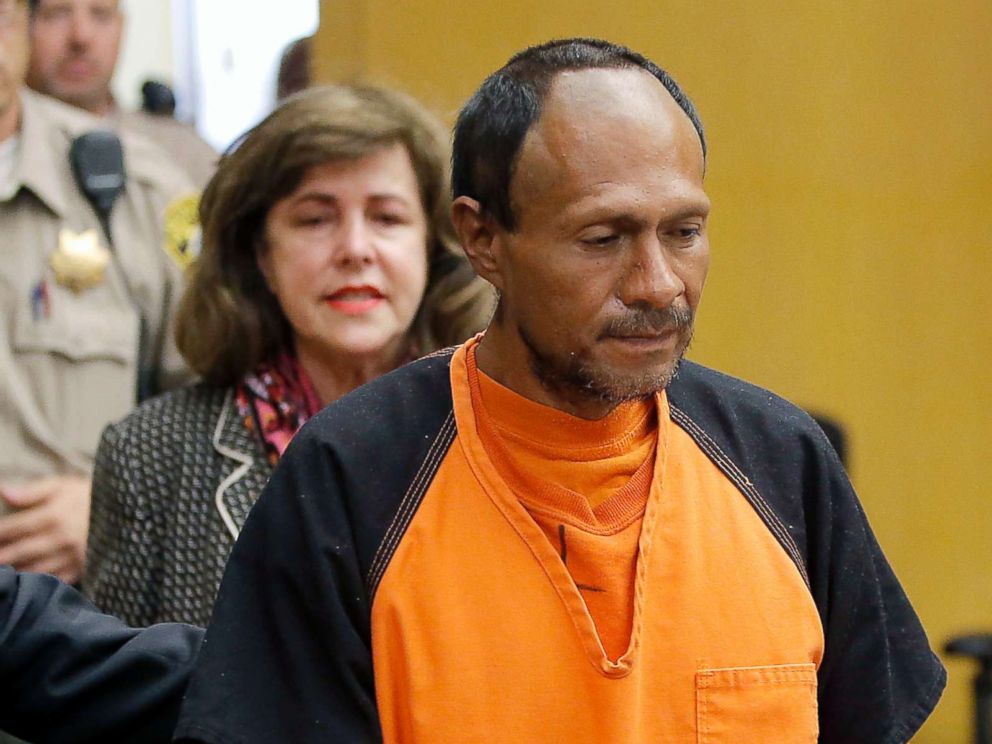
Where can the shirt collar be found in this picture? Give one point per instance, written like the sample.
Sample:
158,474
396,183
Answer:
9,150
43,161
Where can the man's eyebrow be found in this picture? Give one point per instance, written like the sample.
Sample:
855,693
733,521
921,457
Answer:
698,208
695,208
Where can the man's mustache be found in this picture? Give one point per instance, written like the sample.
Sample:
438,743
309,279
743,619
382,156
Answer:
647,321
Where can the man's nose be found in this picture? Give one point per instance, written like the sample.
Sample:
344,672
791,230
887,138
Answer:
353,241
81,28
651,278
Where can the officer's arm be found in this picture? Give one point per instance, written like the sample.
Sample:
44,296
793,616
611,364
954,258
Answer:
71,674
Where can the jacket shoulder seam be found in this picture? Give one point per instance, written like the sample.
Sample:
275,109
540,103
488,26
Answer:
410,503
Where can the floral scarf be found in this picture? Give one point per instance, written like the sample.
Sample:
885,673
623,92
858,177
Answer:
274,401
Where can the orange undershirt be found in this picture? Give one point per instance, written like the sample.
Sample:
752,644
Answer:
585,483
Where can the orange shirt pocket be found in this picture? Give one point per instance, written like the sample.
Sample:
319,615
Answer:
757,704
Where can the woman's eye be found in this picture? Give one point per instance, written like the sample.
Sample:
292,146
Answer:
314,218
311,220
389,219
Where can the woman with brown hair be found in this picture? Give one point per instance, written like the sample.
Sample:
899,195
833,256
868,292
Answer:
328,259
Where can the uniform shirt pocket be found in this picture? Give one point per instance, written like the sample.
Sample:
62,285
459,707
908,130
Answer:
80,334
79,363
757,704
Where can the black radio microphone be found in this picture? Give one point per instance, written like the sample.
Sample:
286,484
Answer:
97,160
98,167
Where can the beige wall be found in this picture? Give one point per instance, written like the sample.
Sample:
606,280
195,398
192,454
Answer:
146,51
851,176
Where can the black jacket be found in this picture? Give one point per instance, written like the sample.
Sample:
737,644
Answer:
288,654
71,674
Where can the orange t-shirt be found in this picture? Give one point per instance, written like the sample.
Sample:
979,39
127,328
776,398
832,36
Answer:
585,483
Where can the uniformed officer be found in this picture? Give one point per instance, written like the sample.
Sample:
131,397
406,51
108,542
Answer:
80,315
74,48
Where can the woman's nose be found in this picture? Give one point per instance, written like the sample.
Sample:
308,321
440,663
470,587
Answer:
353,242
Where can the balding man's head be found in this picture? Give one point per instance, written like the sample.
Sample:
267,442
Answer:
492,125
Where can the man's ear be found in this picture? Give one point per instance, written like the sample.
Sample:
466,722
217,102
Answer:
477,233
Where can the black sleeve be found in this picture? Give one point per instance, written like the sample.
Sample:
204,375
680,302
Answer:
287,655
71,674
879,679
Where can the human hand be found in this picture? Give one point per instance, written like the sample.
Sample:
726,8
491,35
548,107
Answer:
46,531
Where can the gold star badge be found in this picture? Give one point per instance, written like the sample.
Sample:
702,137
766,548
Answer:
80,261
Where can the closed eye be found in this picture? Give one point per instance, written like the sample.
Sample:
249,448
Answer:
389,219
601,241
312,221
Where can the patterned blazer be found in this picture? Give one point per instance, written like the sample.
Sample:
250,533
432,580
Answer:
172,485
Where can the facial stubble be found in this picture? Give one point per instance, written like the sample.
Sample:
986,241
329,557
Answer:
577,377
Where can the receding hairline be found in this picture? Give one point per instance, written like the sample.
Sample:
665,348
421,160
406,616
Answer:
493,123
534,138
544,84
555,84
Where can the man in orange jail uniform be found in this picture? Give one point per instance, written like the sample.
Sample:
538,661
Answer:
559,531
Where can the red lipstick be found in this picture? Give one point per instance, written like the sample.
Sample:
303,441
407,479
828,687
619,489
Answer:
355,299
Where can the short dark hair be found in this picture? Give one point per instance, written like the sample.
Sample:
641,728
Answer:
492,125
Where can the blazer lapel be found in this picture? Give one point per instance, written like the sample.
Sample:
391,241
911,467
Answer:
245,471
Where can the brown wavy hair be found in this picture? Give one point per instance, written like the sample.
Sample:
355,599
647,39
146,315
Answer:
228,320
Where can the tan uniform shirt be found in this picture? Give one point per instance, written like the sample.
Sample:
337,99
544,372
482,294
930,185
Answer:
69,359
190,151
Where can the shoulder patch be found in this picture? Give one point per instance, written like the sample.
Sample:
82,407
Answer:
182,230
